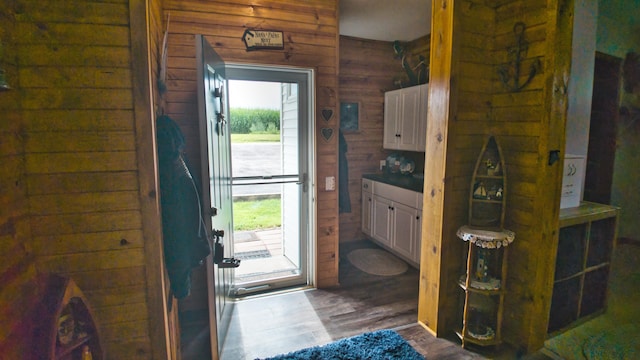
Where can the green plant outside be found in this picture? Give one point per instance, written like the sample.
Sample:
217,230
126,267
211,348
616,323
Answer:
256,214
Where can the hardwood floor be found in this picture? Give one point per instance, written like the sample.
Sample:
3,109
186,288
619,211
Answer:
268,325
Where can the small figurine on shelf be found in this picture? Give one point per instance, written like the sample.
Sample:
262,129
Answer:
494,170
482,313
479,191
66,327
482,266
499,193
489,163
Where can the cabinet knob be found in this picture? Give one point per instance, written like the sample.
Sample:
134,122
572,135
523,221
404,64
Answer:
417,217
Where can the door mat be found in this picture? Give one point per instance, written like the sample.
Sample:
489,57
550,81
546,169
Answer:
378,345
255,254
377,262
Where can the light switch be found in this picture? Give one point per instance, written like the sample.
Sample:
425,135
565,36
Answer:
382,164
330,183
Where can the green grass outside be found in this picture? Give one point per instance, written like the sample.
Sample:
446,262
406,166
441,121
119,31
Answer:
255,137
256,214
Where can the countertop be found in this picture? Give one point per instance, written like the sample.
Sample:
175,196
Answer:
404,181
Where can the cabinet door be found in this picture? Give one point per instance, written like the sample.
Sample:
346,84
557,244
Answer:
367,205
404,230
381,226
409,118
391,118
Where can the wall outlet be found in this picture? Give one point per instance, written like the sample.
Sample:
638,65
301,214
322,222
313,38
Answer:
382,164
330,183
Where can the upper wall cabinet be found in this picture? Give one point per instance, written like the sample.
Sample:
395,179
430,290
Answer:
405,118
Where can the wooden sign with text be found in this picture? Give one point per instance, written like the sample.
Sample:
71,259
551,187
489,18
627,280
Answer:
263,40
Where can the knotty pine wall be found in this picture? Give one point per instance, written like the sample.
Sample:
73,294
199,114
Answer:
17,264
78,178
311,41
527,124
368,69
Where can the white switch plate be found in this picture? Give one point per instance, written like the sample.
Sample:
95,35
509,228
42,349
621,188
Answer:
382,164
330,183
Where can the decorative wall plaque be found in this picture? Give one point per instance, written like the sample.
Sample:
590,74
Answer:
263,40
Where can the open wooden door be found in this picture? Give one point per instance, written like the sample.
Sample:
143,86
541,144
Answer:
216,187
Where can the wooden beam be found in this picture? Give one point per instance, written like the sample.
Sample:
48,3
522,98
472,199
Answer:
148,179
440,83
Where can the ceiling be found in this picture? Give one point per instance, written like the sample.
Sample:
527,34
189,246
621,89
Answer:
385,20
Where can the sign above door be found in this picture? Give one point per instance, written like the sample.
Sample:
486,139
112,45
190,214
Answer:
263,40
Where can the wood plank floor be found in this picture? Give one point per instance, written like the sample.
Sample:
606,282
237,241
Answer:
264,326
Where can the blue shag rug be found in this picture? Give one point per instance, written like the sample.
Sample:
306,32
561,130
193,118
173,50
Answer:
378,345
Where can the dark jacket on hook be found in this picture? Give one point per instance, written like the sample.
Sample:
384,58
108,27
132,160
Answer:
185,240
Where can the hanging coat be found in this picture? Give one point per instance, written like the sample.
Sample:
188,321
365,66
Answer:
185,241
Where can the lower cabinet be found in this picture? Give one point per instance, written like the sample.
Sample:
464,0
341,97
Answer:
405,224
395,225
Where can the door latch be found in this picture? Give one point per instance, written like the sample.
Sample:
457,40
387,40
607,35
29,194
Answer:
218,252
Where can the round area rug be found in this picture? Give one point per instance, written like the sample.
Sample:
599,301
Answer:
377,262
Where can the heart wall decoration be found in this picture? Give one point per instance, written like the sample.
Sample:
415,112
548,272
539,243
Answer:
327,114
327,133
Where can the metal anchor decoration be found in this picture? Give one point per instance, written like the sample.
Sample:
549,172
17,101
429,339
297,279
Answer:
415,77
510,73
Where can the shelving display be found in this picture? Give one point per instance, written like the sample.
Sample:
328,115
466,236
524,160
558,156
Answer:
585,243
66,329
485,271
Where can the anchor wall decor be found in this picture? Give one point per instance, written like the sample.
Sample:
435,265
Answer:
510,73
417,74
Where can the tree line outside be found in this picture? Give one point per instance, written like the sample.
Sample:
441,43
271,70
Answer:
255,125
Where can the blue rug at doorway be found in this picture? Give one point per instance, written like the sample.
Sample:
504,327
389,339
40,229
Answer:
377,345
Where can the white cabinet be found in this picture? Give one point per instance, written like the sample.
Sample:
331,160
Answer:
382,220
405,118
392,216
405,231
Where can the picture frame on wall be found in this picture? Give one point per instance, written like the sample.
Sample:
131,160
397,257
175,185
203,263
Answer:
349,115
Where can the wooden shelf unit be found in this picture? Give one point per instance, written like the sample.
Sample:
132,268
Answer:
585,243
62,299
485,271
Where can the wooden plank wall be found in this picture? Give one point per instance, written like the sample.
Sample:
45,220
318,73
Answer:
311,41
534,209
80,161
367,70
17,264
525,123
522,115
